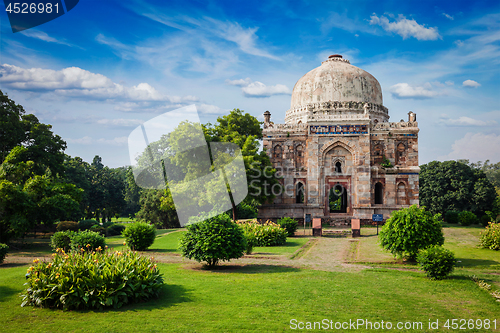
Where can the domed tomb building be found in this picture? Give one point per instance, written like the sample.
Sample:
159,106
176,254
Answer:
337,153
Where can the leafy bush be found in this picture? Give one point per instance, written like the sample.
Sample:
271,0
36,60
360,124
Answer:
61,240
251,241
246,211
99,229
484,220
490,238
467,218
139,235
4,249
410,229
92,280
451,216
267,234
213,240
115,229
87,224
87,240
67,225
436,261
289,224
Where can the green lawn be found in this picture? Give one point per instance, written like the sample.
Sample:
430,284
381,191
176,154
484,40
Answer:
260,298
256,294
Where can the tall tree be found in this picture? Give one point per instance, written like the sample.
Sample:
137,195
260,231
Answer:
454,185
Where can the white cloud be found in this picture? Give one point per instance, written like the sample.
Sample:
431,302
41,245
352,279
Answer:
44,36
465,121
476,147
210,109
87,140
449,17
245,38
405,28
404,90
120,122
77,82
470,84
258,89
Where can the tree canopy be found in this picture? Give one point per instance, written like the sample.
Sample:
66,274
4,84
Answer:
455,186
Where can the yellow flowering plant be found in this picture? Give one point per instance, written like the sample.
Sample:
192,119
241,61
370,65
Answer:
490,237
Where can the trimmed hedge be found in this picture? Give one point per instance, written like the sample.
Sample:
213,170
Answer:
67,225
267,234
467,218
115,229
92,280
451,216
289,224
87,240
213,240
139,235
61,240
436,261
87,224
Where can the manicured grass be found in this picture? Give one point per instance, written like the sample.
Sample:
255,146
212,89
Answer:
292,245
258,296
122,219
262,299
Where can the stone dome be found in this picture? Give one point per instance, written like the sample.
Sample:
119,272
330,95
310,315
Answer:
339,89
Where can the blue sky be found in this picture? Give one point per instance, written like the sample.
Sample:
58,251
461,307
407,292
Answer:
105,67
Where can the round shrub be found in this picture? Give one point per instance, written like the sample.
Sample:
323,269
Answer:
451,216
61,240
96,280
67,225
267,234
87,224
484,220
4,249
115,229
466,218
410,229
213,240
436,261
139,235
289,224
87,240
99,229
490,237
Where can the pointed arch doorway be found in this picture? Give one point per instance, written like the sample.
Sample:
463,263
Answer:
337,199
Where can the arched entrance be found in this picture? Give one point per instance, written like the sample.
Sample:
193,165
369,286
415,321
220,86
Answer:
337,199
379,193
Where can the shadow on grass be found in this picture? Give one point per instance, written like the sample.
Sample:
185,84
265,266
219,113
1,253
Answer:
244,268
161,250
6,292
477,263
170,295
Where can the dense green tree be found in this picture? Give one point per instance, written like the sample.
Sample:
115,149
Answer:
14,207
12,129
454,185
17,128
409,230
77,172
245,131
238,128
157,207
